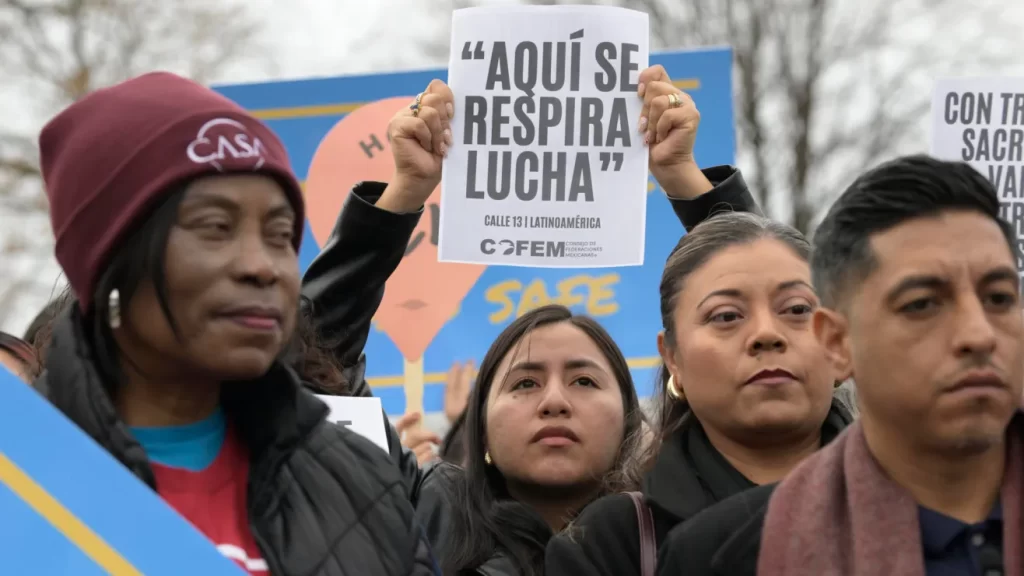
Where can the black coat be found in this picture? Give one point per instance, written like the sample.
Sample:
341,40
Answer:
434,504
345,285
434,515
322,500
723,540
688,476
730,194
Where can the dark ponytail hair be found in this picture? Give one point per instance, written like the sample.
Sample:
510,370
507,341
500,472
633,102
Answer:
691,253
486,521
312,357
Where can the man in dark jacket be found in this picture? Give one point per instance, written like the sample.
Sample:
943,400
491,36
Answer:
920,293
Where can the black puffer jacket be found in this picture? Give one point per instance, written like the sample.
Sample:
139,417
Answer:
323,500
346,284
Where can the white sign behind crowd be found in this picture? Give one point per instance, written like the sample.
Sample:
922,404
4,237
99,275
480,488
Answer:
981,121
547,168
362,415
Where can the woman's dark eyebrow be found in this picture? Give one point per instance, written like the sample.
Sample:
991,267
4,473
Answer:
199,199
734,293
729,292
574,364
284,210
793,284
579,363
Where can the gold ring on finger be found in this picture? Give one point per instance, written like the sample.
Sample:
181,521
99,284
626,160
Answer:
674,100
415,107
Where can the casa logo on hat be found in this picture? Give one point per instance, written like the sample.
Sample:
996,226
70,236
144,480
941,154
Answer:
223,140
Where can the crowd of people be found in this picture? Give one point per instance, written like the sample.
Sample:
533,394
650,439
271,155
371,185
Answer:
844,405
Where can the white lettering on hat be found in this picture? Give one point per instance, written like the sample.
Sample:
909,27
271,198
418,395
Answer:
223,139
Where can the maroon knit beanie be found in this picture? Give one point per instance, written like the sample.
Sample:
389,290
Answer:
111,156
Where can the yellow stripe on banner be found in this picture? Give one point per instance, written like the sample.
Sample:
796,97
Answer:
345,108
63,520
306,111
439,377
687,84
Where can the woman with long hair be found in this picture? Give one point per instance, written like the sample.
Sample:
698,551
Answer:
494,525
552,423
745,394
177,223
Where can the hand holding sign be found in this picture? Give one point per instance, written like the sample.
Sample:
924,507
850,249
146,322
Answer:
422,294
669,121
550,169
420,135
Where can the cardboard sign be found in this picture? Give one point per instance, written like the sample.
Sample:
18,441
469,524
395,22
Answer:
548,167
68,507
364,416
434,314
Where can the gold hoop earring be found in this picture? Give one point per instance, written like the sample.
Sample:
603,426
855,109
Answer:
674,390
487,457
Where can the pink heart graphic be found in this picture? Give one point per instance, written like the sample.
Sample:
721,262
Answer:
422,294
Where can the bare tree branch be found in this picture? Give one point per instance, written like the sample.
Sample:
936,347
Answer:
823,88
60,50
57,51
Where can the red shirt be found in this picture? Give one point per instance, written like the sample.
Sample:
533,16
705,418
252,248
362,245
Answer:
214,501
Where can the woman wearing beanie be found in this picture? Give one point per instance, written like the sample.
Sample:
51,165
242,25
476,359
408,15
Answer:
177,223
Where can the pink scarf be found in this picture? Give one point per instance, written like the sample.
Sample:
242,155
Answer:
839,514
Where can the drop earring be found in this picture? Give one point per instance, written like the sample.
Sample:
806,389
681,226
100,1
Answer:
487,457
114,306
674,390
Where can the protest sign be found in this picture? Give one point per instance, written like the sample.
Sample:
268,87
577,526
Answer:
423,293
68,507
364,416
548,167
467,305
981,121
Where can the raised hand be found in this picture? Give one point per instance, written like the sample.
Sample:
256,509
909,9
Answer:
456,389
669,122
420,136
417,437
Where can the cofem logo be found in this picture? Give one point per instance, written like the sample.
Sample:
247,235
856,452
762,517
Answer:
536,248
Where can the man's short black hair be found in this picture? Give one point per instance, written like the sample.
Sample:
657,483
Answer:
884,197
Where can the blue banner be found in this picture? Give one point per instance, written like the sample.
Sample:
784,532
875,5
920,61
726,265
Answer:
625,300
68,507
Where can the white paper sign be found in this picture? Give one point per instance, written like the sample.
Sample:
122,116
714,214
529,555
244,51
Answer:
547,168
981,121
360,414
